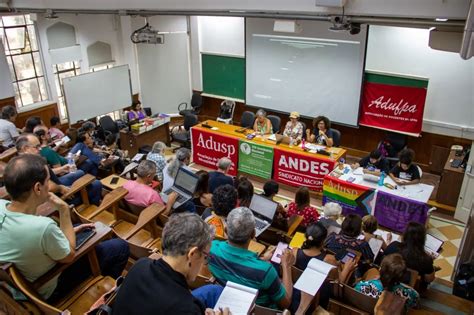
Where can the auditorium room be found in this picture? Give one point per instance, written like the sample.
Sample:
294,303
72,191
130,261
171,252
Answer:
236,157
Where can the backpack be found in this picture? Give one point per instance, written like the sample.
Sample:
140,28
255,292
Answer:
464,282
226,109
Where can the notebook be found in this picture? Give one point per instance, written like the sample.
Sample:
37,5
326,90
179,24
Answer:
238,298
297,240
384,235
313,276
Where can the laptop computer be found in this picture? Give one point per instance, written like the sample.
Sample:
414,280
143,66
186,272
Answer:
184,185
264,210
282,139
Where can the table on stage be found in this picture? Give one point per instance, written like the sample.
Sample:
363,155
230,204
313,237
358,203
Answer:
394,208
262,157
132,141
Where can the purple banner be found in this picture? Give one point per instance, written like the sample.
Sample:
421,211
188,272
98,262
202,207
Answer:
395,212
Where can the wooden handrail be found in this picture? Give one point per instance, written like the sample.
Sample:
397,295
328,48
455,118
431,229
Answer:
79,184
147,215
110,200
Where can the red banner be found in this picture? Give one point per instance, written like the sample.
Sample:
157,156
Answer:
209,147
297,170
392,107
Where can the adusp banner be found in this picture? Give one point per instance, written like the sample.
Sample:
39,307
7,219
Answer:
297,169
351,197
393,103
255,159
208,147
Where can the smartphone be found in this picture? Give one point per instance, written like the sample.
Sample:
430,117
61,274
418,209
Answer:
83,236
114,180
276,258
348,255
351,179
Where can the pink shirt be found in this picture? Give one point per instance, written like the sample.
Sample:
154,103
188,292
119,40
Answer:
56,133
141,195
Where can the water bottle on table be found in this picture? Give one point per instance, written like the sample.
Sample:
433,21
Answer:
381,179
71,163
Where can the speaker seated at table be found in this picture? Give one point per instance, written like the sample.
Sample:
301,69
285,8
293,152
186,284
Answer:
262,124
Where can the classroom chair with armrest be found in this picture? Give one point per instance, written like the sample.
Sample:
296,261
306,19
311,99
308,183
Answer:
184,137
393,143
276,123
347,298
336,138
80,299
260,310
108,124
226,112
195,108
247,119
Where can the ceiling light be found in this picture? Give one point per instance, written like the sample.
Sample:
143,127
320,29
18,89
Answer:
441,20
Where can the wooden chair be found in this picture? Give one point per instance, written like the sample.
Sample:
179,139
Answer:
8,305
78,301
260,310
80,185
348,299
8,154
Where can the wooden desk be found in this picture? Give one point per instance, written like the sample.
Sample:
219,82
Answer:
132,141
451,181
289,165
106,182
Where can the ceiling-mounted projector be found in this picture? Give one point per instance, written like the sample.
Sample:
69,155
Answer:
147,35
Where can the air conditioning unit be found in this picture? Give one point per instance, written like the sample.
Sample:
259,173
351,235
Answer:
287,26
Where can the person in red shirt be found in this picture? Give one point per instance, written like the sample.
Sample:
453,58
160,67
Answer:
301,206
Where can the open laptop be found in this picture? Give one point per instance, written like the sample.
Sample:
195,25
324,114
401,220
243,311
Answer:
282,139
184,185
264,210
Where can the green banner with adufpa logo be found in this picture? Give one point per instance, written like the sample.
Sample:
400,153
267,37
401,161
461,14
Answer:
255,159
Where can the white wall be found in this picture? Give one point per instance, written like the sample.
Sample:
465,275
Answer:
407,8
449,105
164,69
6,86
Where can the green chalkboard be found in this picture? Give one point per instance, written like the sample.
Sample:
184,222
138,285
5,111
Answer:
223,76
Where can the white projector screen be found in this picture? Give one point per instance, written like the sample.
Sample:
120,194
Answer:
96,93
315,72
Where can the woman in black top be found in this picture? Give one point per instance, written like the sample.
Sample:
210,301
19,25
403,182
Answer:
351,228
322,133
202,198
245,192
412,250
405,172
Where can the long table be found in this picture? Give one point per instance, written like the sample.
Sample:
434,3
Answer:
262,157
394,208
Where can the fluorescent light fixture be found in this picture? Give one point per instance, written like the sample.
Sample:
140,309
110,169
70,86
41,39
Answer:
275,80
320,44
284,69
262,96
441,19
320,40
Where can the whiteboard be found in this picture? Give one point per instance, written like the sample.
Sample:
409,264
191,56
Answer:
96,93
315,72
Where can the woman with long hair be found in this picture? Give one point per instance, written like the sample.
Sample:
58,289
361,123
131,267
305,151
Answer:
245,192
301,206
412,248
202,198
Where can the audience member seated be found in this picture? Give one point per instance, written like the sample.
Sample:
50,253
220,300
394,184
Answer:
157,156
53,158
412,249
301,206
374,163
35,244
161,286
182,158
392,270
136,112
331,212
405,172
270,190
322,133
348,239
294,128
224,200
54,131
31,123
202,198
29,144
262,125
8,131
111,149
369,226
140,193
244,192
315,235
232,261
85,144
219,178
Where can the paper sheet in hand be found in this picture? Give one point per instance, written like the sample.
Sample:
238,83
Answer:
384,235
238,298
375,245
313,276
128,168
